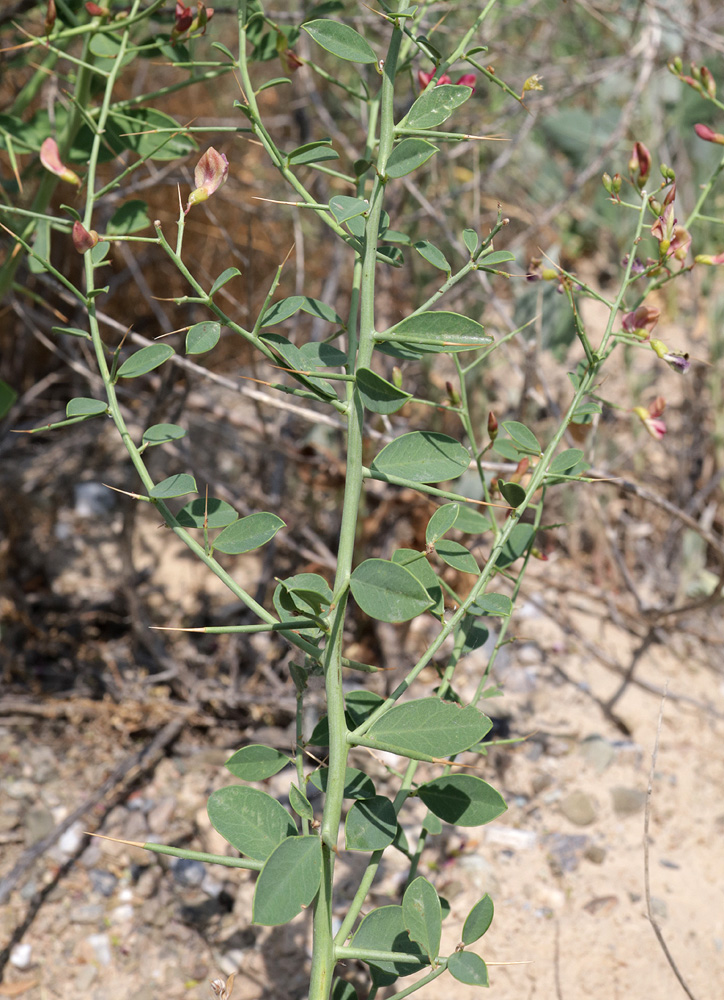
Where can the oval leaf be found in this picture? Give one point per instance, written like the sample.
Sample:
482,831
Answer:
344,208
379,395
470,239
468,968
341,40
423,457
371,824
478,920
432,255
82,406
408,155
435,106
441,522
227,275
518,541
436,331
202,337
357,785
248,533
416,562
174,486
256,762
145,360
567,460
288,881
462,799
428,726
492,604
456,555
388,592
252,821
209,511
497,257
422,914
300,803
161,433
524,439
513,493
384,930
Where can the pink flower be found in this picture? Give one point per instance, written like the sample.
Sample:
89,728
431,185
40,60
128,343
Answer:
706,258
709,135
466,80
650,417
641,321
677,362
83,239
183,17
50,158
210,173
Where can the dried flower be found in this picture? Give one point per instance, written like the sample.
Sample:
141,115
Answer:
210,173
50,16
83,239
641,321
640,163
50,158
183,17
492,426
709,135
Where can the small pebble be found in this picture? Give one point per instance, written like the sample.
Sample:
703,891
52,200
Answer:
627,800
102,881
578,809
69,843
565,851
188,872
509,836
101,945
89,913
21,956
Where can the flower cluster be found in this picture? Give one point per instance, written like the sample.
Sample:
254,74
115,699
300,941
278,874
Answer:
466,80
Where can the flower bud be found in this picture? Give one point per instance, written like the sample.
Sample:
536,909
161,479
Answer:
667,173
709,135
95,10
640,163
676,65
452,394
705,258
708,82
50,158
210,173
492,426
183,19
616,182
50,16
83,239
607,181
397,377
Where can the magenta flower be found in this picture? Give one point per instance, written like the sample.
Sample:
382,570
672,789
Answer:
650,417
466,80
210,173
641,321
83,239
677,362
50,158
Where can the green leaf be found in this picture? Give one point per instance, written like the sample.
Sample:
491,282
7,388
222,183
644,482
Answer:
429,252
384,929
162,433
507,448
357,785
518,541
71,331
202,337
468,968
256,762
248,533
495,258
588,409
478,920
432,824
416,562
408,155
462,799
388,592
565,461
422,914
145,360
174,486
379,395
435,106
423,457
359,705
252,821
294,360
344,208
472,522
312,152
492,604
129,218
7,398
342,990
99,252
317,354
135,129
524,439
81,406
436,331
470,239
513,493
303,594
371,824
288,881
211,511
341,40
476,635
441,522
457,556
428,726
224,277
300,803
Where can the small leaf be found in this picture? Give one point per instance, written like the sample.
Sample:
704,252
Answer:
513,493
435,106
518,541
565,461
174,486
468,968
408,155
224,277
379,395
317,354
441,522
470,239
507,448
252,821
129,218
422,914
384,929
371,824
495,258
162,433
476,635
417,564
248,533
300,803
341,40
202,337
81,406
342,990
462,799
357,785
478,920
344,208
432,255
288,882
359,705
211,511
423,457
492,604
294,359
312,152
524,439
457,556
71,331
145,360
472,522
437,331
7,398
256,762
388,592
428,726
